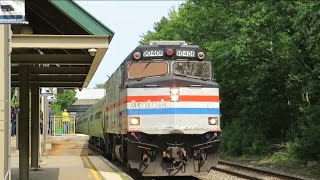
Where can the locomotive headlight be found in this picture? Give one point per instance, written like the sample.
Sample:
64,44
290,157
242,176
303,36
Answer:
174,94
174,97
134,120
213,120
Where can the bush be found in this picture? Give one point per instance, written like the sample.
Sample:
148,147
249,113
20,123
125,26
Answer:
236,141
308,146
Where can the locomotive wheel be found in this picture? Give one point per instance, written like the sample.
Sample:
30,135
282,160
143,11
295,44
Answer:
109,148
128,166
109,156
113,156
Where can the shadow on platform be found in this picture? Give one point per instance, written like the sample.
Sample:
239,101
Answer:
41,174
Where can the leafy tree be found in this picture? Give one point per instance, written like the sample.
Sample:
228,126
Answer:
14,97
100,86
266,59
64,101
306,78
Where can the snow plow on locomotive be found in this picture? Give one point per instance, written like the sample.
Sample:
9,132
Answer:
161,112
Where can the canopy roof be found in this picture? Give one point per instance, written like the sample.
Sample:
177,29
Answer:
62,43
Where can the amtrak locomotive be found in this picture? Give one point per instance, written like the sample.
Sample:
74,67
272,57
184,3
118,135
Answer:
161,111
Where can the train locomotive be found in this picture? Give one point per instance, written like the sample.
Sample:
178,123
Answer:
160,114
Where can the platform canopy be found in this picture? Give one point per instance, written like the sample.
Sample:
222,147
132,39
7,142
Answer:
62,44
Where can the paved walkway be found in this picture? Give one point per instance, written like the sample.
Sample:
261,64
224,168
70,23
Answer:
91,167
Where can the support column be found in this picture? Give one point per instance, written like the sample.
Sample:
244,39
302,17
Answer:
35,130
45,125
24,123
4,102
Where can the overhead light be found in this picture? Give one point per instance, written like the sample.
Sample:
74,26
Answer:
92,51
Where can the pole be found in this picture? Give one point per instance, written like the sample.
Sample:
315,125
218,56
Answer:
5,115
45,125
24,123
41,136
35,130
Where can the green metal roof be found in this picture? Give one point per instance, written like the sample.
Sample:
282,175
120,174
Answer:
82,17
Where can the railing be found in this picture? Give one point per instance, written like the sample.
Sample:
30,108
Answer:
61,125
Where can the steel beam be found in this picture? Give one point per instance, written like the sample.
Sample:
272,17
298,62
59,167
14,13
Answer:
53,70
59,41
35,126
24,123
51,59
52,84
53,78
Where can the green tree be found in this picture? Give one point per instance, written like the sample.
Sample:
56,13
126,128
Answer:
14,97
266,59
306,78
100,86
64,101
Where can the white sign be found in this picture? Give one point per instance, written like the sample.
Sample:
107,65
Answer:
152,53
186,53
46,92
52,99
12,12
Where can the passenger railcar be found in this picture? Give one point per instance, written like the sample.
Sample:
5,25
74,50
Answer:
161,111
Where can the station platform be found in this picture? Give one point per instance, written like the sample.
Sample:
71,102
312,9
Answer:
60,165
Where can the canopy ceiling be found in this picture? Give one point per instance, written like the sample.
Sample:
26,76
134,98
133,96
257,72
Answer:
56,44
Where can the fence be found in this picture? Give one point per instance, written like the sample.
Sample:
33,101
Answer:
61,125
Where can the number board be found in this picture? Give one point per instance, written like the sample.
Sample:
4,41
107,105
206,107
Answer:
186,53
152,53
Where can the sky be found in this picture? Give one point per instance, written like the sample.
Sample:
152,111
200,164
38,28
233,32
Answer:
128,20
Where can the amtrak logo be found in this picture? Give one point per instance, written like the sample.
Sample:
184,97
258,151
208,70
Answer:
148,105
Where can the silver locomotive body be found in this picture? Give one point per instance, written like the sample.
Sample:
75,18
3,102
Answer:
161,112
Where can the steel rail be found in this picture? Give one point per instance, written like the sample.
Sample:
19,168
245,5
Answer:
237,174
260,171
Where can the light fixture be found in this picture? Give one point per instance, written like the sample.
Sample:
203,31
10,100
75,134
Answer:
174,94
137,55
213,120
201,55
92,51
134,120
169,52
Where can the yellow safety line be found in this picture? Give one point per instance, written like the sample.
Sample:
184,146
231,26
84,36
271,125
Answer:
93,170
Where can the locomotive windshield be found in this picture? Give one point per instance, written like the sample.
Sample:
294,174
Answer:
193,69
147,69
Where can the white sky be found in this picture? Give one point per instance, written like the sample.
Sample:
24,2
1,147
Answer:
129,20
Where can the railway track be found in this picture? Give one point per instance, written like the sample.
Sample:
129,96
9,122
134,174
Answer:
116,166
246,172
228,168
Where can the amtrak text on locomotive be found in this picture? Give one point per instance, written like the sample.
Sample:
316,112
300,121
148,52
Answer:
148,105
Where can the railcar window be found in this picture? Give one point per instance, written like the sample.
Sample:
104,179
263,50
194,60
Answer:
85,120
98,115
146,69
192,69
91,118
